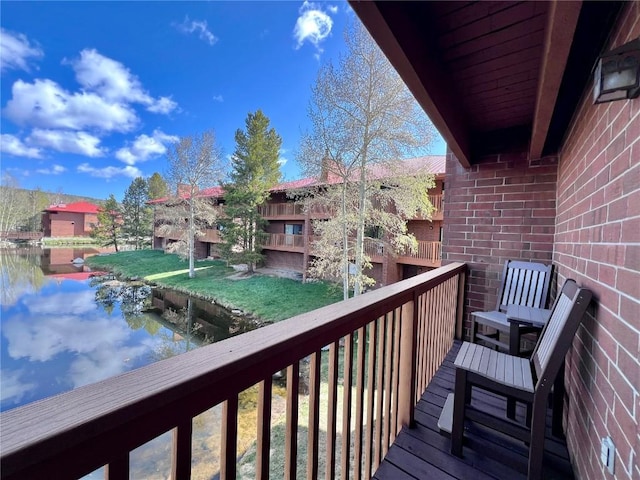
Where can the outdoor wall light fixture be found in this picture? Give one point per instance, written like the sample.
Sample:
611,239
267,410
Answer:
617,74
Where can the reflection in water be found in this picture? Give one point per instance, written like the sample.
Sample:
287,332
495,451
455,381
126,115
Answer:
20,274
60,332
62,327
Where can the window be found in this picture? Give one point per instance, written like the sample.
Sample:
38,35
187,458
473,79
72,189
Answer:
293,228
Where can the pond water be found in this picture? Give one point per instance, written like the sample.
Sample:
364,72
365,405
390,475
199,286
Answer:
63,326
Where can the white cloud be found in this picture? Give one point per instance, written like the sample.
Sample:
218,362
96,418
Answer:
16,50
145,147
114,82
218,98
333,9
12,387
67,324
12,145
54,170
110,172
313,25
282,160
199,26
44,104
162,105
67,141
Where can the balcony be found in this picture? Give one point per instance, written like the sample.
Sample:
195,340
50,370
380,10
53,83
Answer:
210,235
271,211
295,211
387,344
438,205
284,242
428,254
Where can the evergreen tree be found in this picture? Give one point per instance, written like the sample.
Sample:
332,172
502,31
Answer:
158,187
254,170
109,227
136,214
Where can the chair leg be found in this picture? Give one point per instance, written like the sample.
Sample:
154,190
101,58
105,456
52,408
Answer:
558,404
459,400
474,331
536,448
511,408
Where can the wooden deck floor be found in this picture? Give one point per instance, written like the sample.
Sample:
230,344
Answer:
422,452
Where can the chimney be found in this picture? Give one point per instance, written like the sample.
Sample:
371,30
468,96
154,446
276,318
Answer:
184,190
324,167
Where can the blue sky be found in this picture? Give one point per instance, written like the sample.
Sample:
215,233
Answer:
92,93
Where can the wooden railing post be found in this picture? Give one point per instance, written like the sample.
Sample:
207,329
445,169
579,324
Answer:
407,364
460,306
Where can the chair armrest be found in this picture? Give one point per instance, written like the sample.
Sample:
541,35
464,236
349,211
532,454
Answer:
528,316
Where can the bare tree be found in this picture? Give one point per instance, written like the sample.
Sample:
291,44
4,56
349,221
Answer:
13,204
195,162
363,120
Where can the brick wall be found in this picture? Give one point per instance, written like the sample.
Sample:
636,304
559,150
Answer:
597,242
67,224
425,230
501,208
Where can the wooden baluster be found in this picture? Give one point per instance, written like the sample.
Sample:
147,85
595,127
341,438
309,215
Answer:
395,382
346,407
118,469
263,441
371,370
360,366
407,364
181,458
314,415
291,435
331,413
388,360
380,391
229,445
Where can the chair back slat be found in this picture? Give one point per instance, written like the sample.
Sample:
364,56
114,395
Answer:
524,283
558,333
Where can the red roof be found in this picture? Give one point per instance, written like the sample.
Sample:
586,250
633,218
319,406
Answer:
434,164
77,207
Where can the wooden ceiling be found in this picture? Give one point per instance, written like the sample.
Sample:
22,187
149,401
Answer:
489,74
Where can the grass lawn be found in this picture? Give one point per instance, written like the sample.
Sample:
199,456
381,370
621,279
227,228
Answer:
268,298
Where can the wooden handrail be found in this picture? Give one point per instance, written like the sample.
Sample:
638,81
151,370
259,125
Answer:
280,209
17,235
426,250
76,432
284,240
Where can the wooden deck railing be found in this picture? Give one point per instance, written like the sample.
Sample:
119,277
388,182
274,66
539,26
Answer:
284,240
21,235
426,251
210,235
373,248
281,210
436,201
389,341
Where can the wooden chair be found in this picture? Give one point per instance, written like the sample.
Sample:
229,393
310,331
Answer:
527,380
523,283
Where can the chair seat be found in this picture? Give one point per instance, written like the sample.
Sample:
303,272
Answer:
494,319
503,368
